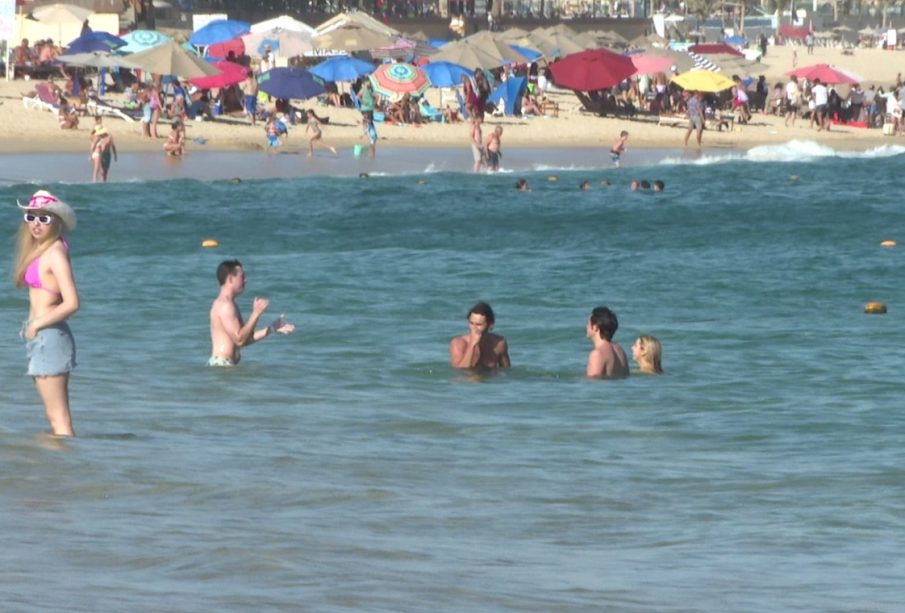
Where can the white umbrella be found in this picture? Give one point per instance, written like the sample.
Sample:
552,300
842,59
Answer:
61,13
284,22
285,43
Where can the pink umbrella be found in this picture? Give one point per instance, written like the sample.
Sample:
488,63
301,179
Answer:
826,74
651,64
221,50
230,74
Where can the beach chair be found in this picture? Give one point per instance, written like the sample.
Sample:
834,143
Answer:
666,119
428,112
44,100
355,101
96,106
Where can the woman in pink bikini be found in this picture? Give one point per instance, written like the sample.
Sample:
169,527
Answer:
42,265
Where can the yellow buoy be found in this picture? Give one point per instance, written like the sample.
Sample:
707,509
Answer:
888,244
209,242
793,177
875,308
552,178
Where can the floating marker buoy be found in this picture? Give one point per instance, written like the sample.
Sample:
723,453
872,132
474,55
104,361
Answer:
793,177
874,308
422,182
209,242
888,244
552,178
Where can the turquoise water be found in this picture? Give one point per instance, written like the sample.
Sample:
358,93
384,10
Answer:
347,467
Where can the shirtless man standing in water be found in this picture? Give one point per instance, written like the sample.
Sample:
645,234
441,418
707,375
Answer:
228,332
480,348
607,360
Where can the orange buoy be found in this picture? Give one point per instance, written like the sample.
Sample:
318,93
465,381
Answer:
875,308
209,242
552,178
888,244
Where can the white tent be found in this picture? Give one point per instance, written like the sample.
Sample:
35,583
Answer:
284,22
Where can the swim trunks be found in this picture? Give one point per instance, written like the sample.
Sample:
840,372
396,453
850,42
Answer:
696,122
273,141
493,159
219,360
477,153
614,155
51,352
106,156
251,104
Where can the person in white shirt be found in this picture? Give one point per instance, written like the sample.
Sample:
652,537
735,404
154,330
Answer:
820,95
793,100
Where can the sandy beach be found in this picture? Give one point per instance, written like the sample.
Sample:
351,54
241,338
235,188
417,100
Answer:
29,130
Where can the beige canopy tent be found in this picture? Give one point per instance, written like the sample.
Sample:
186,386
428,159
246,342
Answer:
353,38
356,19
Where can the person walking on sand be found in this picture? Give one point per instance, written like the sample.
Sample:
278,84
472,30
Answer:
313,127
618,148
480,348
42,264
695,109
493,149
102,150
228,332
607,359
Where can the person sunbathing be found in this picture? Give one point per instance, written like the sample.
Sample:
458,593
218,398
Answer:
529,105
69,119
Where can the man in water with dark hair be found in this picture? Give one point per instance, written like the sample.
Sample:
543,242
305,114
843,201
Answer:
607,360
480,348
228,332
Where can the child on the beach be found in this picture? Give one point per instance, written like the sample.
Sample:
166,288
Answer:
273,134
493,149
313,127
175,143
618,148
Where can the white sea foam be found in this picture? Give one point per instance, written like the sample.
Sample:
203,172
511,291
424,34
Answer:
571,167
792,151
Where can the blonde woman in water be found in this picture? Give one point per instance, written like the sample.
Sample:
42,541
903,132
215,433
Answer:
42,265
647,352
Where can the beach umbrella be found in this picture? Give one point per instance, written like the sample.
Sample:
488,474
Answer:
405,48
290,83
95,41
530,54
171,59
230,74
446,74
352,38
826,73
513,34
218,31
652,64
714,49
394,80
96,59
61,13
556,44
703,81
221,51
139,40
283,22
487,41
592,70
467,55
341,68
288,43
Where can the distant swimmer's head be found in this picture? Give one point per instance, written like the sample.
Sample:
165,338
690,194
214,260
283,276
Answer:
235,180
659,186
603,322
422,182
363,175
522,185
634,186
605,183
584,185
644,184
647,352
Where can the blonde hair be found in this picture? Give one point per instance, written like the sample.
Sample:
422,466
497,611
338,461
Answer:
28,247
652,351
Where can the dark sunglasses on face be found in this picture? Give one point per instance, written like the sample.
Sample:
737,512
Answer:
44,220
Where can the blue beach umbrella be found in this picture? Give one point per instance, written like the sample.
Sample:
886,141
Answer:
218,31
342,68
295,83
139,40
530,54
446,74
95,41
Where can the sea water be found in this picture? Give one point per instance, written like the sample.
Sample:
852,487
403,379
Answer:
348,467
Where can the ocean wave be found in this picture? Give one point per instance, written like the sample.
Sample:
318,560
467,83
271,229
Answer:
571,167
792,151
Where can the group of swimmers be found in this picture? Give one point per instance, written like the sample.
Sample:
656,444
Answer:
481,349
585,185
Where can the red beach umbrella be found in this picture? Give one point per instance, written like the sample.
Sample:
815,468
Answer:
826,73
230,74
715,48
221,50
592,70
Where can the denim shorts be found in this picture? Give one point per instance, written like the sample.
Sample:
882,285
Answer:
51,352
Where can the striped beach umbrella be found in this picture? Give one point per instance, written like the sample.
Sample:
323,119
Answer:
395,80
139,40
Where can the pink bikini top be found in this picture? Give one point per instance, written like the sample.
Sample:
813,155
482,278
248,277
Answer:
33,274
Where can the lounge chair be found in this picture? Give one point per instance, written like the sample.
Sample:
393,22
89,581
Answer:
44,100
96,106
428,112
